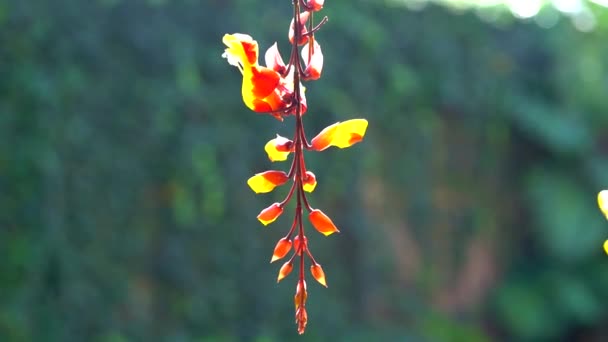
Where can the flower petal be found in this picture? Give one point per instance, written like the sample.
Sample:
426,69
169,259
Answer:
602,201
270,214
242,50
278,148
266,181
314,62
340,134
606,246
263,81
273,59
322,222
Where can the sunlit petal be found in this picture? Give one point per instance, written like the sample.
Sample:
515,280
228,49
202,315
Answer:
273,59
340,134
314,62
266,181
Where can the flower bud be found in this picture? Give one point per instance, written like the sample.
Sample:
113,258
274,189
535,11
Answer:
322,222
301,319
281,249
285,270
278,148
310,181
315,5
317,272
296,244
303,30
301,294
268,215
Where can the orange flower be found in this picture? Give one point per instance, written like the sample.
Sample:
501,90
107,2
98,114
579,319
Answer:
270,214
278,148
322,222
281,249
317,272
263,89
340,134
266,181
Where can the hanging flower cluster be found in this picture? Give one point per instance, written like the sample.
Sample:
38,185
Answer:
277,89
602,200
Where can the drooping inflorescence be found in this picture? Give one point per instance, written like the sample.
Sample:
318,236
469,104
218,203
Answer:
277,89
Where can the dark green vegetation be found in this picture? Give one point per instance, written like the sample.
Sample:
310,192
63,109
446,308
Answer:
467,214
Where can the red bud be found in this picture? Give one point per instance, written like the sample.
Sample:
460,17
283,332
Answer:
281,249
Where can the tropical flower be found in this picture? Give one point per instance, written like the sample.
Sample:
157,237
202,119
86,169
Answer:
263,88
276,89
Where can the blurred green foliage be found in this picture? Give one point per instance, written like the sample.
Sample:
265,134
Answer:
467,214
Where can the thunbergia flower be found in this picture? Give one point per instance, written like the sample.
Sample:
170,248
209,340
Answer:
277,89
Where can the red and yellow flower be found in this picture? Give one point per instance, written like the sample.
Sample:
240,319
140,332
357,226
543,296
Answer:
276,89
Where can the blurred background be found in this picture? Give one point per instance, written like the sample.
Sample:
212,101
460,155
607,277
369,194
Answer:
467,214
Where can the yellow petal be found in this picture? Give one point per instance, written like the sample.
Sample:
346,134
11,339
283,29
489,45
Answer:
278,148
266,181
340,134
242,50
602,200
606,246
